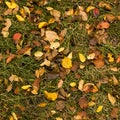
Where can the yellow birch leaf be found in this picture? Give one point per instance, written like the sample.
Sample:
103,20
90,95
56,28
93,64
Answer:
89,8
25,87
11,5
66,62
91,103
51,96
73,84
42,24
111,99
99,109
82,57
20,18
42,104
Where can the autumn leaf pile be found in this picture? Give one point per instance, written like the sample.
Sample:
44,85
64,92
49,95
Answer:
79,77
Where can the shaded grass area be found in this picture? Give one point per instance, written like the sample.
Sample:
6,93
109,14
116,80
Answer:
77,41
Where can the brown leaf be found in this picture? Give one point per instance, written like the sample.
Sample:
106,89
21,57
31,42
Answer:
10,58
114,113
111,99
103,25
9,88
16,91
75,66
81,116
36,84
99,63
52,75
60,105
83,102
8,12
110,18
105,5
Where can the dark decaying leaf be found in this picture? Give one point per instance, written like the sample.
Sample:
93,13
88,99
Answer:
60,105
83,102
52,76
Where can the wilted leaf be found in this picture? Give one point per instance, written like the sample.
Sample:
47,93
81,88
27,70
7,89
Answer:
89,8
51,36
51,96
60,105
82,58
111,99
20,18
42,24
70,12
75,66
83,102
25,87
56,14
81,116
91,103
10,58
14,116
42,104
109,17
46,62
39,72
114,113
16,37
118,59
91,56
11,5
99,109
66,62
54,45
103,25
16,91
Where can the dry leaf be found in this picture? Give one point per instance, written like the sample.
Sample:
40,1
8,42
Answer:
14,116
115,80
91,103
25,87
56,14
70,12
8,12
96,12
9,88
103,25
60,105
105,5
38,54
16,37
118,59
81,116
66,62
11,5
46,62
89,8
111,99
114,113
51,96
80,85
99,63
42,24
110,57
42,104
75,66
60,83
91,56
82,58
109,17
20,18
16,91
54,45
73,84
39,72
51,36
99,109
10,58
83,102
14,78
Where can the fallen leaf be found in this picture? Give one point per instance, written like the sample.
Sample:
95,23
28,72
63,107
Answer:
111,99
99,63
11,5
99,109
8,12
103,25
66,62
114,113
82,58
81,116
16,91
10,58
14,116
83,102
80,85
105,5
60,83
20,18
89,8
25,87
115,80
9,88
38,54
110,57
39,72
14,78
109,17
91,103
118,59
51,96
51,36
60,105
91,56
42,104
96,12
54,45
16,37
42,24
56,14
52,75
73,84
75,66
70,12
46,62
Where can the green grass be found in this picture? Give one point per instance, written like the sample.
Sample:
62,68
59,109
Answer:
77,41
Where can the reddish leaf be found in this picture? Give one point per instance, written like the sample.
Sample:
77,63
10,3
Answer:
10,58
96,12
16,91
103,25
114,113
16,37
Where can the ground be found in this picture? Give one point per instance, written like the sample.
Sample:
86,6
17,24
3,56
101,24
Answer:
80,42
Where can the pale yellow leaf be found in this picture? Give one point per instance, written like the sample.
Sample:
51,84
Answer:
60,83
34,91
99,109
91,56
54,45
28,51
52,20
26,9
20,18
42,24
82,58
80,85
14,78
70,55
9,88
5,34
38,54
49,8
11,5
66,62
61,49
46,62
111,99
51,96
25,87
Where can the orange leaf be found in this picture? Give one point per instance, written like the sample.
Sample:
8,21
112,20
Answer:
10,58
16,37
118,59
99,63
103,25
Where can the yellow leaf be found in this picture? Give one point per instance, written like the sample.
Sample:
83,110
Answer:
25,87
14,116
38,54
99,109
66,62
54,45
42,24
42,104
73,84
70,55
52,20
110,57
20,18
91,103
46,62
34,91
28,51
91,56
82,57
89,8
51,96
11,5
111,99
26,9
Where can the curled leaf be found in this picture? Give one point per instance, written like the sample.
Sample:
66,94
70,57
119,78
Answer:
51,96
